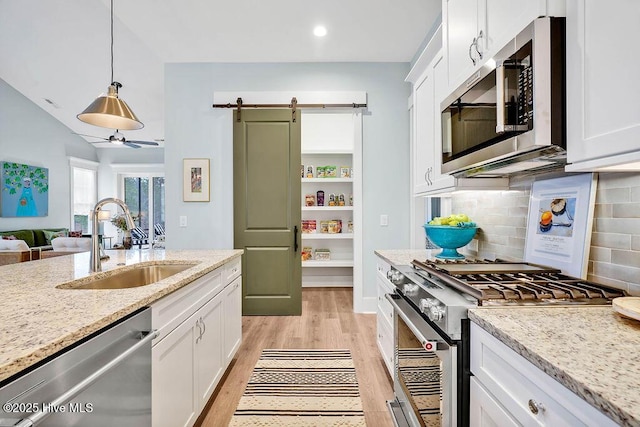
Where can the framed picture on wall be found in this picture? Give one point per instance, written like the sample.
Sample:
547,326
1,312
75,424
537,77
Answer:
24,191
196,180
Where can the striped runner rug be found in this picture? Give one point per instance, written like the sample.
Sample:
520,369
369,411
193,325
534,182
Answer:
301,388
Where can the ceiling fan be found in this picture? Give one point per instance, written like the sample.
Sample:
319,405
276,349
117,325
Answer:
118,139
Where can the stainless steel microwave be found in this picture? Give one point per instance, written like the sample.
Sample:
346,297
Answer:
509,116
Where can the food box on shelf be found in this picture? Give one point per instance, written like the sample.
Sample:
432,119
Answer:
308,225
334,226
322,255
310,200
307,253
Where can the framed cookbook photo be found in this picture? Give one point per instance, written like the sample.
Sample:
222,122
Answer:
196,180
560,222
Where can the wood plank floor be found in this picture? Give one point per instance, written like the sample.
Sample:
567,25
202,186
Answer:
327,321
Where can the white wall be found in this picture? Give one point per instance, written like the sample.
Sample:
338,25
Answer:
194,129
30,135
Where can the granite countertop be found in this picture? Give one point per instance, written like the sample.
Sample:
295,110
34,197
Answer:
593,351
37,319
405,256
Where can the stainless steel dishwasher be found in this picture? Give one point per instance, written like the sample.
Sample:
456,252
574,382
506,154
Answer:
105,380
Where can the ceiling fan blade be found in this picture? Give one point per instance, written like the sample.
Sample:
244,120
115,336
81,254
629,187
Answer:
143,142
129,144
90,136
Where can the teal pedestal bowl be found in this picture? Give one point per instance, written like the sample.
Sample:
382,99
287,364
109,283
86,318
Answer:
449,238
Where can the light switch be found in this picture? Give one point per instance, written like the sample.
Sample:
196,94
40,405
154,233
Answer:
384,220
183,220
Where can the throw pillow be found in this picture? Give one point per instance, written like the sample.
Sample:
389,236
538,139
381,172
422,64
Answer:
12,237
75,233
50,235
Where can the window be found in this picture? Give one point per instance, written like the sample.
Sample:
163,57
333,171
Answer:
144,195
84,193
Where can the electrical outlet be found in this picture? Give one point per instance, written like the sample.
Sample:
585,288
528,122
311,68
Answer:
384,220
183,221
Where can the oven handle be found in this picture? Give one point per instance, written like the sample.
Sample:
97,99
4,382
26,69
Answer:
405,311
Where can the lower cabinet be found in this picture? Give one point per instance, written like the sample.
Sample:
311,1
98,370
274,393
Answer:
507,389
189,361
232,319
385,338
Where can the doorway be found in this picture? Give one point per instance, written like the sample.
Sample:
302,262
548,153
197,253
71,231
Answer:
266,178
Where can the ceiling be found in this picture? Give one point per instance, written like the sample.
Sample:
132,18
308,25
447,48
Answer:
59,49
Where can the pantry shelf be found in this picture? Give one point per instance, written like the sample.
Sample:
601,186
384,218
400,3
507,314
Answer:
327,208
326,236
331,263
326,180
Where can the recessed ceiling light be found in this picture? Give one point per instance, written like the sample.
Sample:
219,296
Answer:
320,31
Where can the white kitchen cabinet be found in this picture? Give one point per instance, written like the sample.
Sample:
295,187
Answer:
429,89
384,315
474,30
506,382
200,329
232,319
484,410
209,348
603,121
173,363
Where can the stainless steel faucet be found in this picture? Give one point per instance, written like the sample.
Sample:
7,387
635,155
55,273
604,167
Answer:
94,255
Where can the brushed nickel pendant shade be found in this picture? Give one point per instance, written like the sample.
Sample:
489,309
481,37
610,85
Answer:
109,111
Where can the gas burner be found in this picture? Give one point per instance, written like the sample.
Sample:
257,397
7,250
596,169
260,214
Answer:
503,282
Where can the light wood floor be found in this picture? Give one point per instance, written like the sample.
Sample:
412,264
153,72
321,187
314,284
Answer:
327,321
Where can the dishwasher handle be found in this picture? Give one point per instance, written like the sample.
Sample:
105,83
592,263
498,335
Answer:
37,417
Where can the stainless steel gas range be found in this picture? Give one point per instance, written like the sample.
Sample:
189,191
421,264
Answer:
431,300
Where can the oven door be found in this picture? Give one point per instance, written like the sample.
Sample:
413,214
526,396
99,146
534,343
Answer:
425,375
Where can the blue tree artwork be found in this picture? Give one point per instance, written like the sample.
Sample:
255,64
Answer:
25,190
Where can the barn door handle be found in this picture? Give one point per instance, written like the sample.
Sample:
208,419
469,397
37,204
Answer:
295,238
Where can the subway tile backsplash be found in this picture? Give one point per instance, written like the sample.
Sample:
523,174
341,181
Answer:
614,257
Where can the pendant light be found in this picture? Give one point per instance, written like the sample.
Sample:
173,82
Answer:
109,111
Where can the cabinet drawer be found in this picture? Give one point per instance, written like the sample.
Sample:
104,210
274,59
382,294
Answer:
232,269
520,386
385,344
168,312
382,266
385,309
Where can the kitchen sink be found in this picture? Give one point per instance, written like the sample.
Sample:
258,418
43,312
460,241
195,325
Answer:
131,278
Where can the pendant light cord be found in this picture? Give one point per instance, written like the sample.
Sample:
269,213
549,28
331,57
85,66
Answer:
111,41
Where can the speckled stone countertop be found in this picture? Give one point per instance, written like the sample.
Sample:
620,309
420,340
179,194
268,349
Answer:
593,351
405,256
37,319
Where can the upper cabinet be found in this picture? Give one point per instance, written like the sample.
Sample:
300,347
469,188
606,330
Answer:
429,89
474,30
603,121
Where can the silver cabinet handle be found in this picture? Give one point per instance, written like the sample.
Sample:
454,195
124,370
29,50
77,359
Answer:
500,95
37,417
204,326
470,54
535,407
480,35
199,329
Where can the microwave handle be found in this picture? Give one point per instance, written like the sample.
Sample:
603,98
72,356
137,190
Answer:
500,103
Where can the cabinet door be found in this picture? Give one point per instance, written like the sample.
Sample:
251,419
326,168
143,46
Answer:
460,24
232,319
439,72
485,411
423,110
174,401
603,118
502,20
209,349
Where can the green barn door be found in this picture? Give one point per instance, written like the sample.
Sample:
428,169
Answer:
266,185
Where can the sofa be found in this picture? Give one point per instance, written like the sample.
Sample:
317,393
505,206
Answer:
35,242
